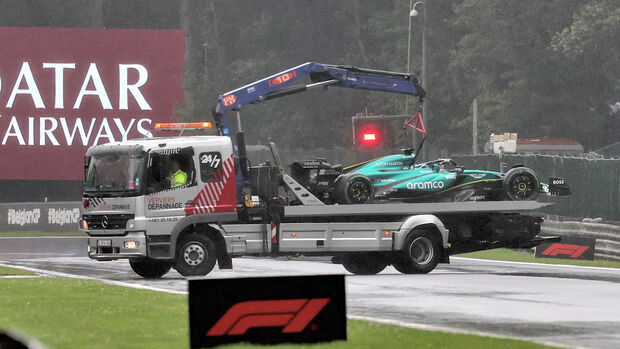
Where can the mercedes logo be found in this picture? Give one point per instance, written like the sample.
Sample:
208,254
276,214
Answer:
105,222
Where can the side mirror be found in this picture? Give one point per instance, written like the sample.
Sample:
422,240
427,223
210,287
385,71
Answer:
86,165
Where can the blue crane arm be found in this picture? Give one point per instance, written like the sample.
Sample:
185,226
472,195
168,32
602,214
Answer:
281,84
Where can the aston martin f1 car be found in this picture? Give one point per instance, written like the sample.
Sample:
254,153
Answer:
399,178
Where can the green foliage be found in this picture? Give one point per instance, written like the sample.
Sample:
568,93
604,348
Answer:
67,313
536,67
6,271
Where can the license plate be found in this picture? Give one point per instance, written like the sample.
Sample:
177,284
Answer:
104,243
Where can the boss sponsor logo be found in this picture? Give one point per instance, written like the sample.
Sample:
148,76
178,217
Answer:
425,185
450,176
23,217
63,216
557,182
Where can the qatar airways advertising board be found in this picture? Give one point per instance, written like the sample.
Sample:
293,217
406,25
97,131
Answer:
65,89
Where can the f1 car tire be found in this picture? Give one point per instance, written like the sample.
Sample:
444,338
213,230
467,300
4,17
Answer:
354,188
420,253
364,263
150,268
195,255
521,183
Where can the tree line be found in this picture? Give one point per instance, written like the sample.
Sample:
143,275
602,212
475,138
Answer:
538,68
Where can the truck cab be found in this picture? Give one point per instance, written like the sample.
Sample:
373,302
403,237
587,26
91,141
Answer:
128,192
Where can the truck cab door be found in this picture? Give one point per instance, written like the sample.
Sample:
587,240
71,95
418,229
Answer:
171,185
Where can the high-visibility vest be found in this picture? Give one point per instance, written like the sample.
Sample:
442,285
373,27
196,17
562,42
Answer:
178,179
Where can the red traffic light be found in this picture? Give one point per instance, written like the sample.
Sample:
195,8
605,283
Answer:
369,135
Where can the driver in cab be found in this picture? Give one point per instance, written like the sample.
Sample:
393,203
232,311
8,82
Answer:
177,177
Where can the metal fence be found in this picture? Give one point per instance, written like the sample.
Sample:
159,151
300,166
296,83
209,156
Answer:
595,183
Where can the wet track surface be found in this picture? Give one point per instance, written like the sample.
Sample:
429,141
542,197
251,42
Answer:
565,305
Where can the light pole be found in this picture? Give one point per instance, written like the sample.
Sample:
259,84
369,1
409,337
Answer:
414,13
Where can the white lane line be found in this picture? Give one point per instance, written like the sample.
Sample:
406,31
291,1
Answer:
105,281
19,276
537,264
42,237
38,253
425,327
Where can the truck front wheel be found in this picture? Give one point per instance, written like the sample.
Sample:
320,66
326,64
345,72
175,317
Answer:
420,253
364,263
150,268
195,255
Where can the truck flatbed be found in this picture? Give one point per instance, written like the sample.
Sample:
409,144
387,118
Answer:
413,208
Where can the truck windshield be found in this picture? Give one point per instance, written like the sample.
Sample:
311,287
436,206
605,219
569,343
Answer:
116,174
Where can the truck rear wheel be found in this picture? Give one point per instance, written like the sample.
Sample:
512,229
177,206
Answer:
195,255
150,268
420,253
364,263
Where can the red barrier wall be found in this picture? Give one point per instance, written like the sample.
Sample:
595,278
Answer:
65,89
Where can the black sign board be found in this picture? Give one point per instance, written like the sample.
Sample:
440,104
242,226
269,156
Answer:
269,310
571,247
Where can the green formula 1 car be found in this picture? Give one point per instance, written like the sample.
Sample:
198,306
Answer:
399,178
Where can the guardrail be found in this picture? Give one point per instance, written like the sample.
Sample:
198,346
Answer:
607,235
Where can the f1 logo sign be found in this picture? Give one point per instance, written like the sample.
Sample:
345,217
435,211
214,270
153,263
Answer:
571,247
292,314
572,251
267,310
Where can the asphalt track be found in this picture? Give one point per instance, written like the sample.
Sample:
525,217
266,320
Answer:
560,305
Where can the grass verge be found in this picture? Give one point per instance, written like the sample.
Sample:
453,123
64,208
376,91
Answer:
363,334
12,234
6,271
68,313
502,254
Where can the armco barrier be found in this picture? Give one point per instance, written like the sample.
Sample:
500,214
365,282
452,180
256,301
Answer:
607,235
40,216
